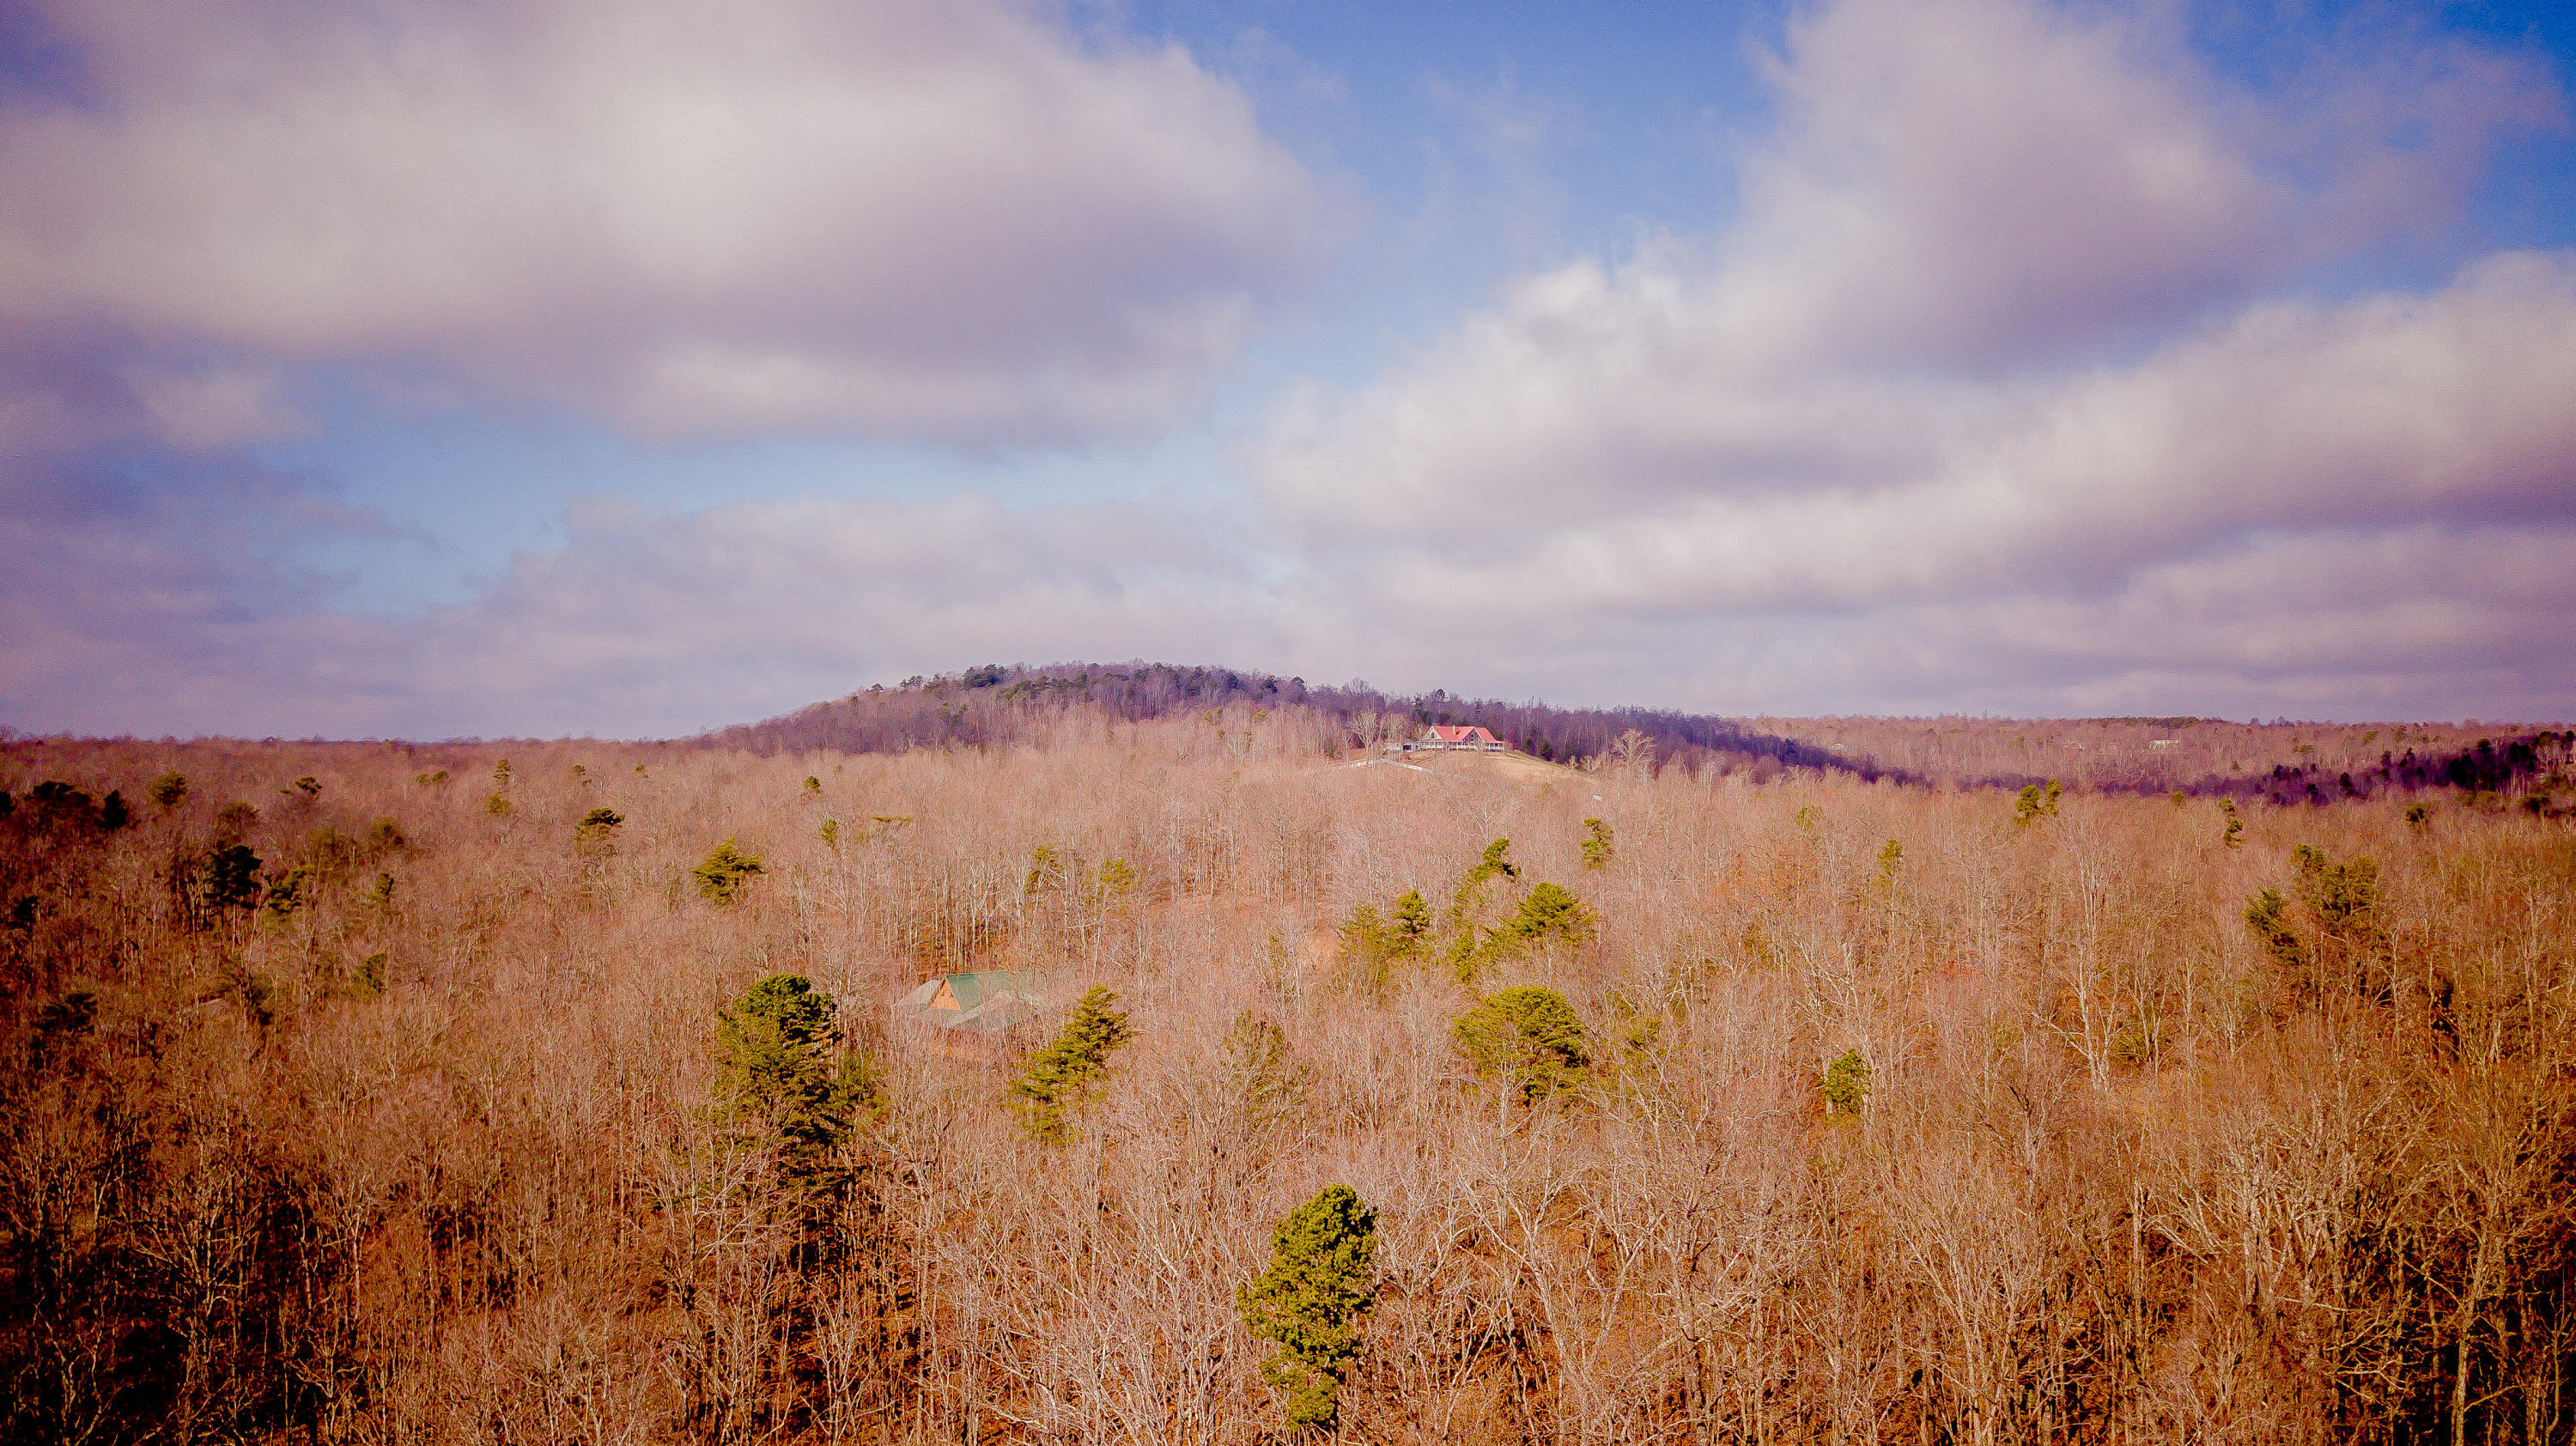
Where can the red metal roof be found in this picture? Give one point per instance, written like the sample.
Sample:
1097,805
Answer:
1463,733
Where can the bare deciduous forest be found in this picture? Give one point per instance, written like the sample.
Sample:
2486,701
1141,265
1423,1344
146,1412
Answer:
378,1092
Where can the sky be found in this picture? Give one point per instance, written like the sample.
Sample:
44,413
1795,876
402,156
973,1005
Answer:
535,367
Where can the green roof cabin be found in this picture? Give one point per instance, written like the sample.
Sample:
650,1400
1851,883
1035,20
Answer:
973,1016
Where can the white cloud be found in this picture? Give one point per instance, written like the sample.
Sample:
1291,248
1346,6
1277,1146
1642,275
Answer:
1995,349
1995,182
2389,409
932,218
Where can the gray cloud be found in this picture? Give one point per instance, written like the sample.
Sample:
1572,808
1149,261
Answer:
941,220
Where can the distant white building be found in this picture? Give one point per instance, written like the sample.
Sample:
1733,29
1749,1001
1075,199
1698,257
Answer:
1450,737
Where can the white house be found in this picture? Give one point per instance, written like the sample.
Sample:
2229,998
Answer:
1451,737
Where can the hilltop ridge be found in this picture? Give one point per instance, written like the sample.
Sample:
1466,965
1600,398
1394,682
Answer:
2281,762
1001,703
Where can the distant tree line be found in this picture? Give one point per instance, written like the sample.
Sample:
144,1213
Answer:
2511,765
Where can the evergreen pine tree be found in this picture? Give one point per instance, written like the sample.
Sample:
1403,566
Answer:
1066,1073
1847,1083
1529,1034
1309,1301
726,870
780,1062
1411,931
168,791
1598,845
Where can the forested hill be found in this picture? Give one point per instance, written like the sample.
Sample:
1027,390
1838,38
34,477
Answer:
999,704
2280,762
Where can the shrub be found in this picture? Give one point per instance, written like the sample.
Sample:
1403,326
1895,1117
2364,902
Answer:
1062,1076
726,871
1529,1035
1309,1301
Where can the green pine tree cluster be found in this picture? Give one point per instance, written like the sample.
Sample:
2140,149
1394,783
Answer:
1846,1084
2333,927
2034,804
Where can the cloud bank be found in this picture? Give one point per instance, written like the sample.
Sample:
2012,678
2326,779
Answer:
2030,373
2000,393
